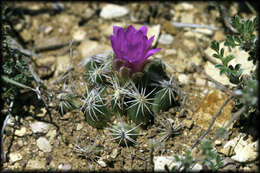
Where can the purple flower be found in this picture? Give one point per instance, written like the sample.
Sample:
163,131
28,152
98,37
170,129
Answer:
132,47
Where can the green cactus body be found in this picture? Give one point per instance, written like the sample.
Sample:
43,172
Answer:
127,127
137,115
98,118
68,102
162,101
96,73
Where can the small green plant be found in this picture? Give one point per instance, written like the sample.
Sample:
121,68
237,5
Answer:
246,88
209,158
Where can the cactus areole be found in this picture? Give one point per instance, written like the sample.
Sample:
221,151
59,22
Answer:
132,48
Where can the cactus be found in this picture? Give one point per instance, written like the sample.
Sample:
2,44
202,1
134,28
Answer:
139,109
94,108
170,128
124,132
163,99
97,73
67,100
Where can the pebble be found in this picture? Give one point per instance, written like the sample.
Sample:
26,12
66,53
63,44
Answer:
88,48
170,52
183,79
165,39
204,31
111,11
161,161
48,30
43,113
218,142
101,163
188,123
21,132
184,6
79,35
245,151
79,126
64,167
168,27
14,157
187,17
114,153
43,144
36,164
40,127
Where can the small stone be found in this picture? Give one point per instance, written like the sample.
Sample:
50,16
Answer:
64,167
187,17
88,48
204,31
170,52
48,30
161,161
39,127
189,44
165,39
51,134
183,79
43,112
184,6
154,30
219,36
21,132
114,153
79,35
79,126
43,144
245,151
218,142
101,163
188,123
14,157
197,167
36,164
169,28
111,11
200,82
46,66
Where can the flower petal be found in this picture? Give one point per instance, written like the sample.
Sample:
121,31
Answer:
151,52
143,29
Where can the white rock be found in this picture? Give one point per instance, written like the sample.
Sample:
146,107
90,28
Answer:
88,48
64,167
246,151
79,126
36,164
101,163
170,52
79,35
166,39
183,79
111,11
154,30
204,31
21,132
187,17
184,6
39,127
43,144
14,157
161,161
197,167
51,134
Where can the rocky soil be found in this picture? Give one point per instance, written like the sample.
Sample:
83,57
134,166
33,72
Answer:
69,143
